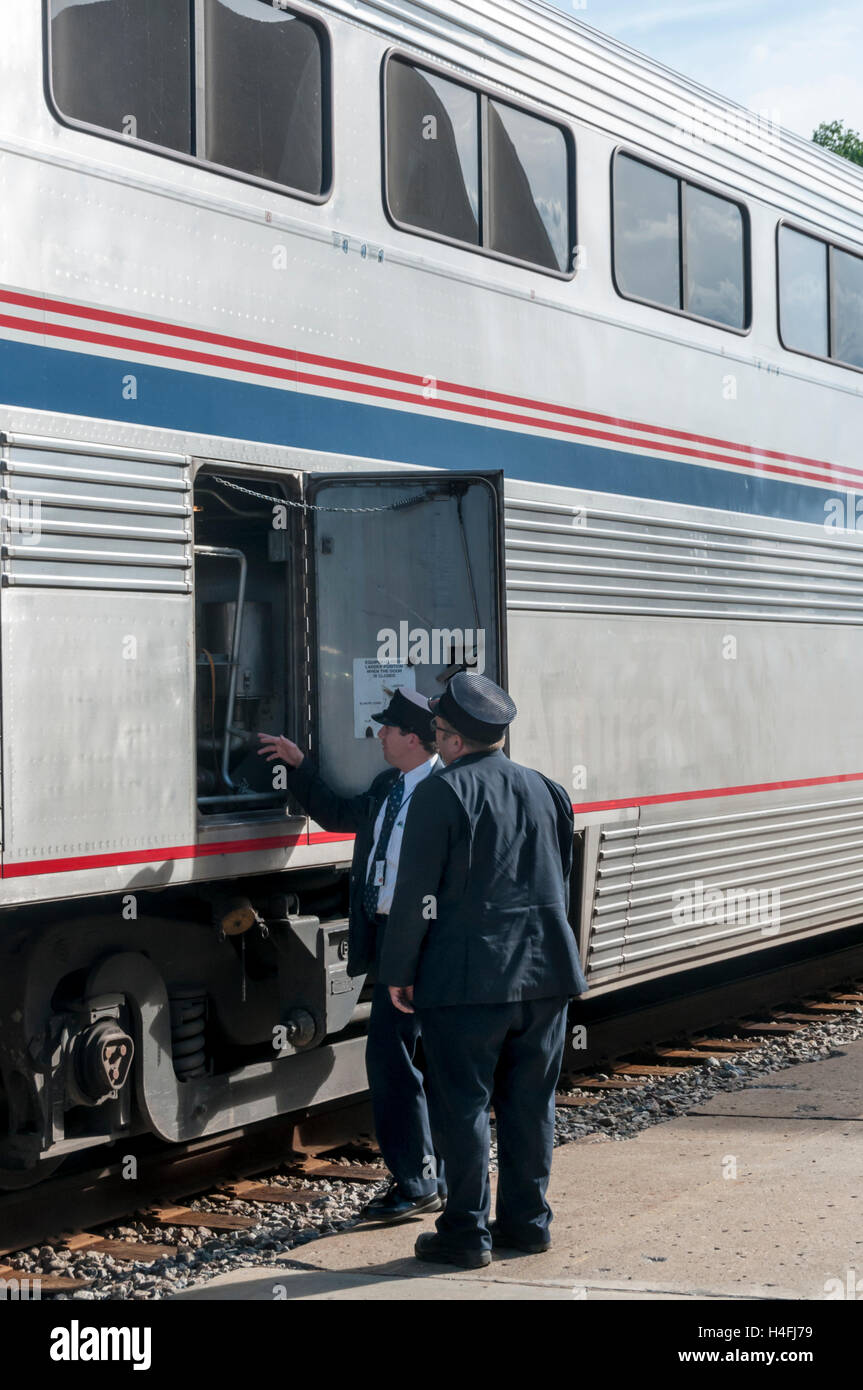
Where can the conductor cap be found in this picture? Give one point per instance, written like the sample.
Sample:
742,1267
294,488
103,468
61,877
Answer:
475,707
410,711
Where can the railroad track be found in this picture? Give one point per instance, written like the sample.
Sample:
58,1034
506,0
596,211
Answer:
733,1039
278,1166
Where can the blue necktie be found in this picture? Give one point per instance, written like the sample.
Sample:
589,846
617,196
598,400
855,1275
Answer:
372,890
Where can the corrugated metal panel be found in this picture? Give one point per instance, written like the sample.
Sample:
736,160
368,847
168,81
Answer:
568,559
84,517
711,886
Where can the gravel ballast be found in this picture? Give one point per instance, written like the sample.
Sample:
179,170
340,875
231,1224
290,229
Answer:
281,1228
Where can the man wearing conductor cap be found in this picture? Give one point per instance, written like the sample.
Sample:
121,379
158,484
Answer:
479,943
377,817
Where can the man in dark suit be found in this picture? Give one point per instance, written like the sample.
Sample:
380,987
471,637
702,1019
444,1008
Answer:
377,818
480,944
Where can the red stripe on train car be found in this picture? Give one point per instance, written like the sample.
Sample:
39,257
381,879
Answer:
834,475
98,861
79,863
716,791
294,355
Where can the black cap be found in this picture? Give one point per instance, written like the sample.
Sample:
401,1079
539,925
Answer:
410,711
476,707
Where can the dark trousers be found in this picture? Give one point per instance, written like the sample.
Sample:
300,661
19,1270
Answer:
509,1056
399,1100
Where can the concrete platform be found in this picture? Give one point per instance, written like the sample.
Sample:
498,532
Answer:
756,1194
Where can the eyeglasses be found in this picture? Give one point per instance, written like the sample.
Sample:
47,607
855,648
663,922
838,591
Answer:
444,733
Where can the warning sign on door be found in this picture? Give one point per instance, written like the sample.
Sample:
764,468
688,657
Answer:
374,684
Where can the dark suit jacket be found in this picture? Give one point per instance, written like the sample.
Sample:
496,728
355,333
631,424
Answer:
348,813
480,908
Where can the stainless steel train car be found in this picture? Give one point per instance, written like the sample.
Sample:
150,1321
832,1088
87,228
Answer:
343,344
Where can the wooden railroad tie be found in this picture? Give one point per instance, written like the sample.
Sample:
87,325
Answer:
679,1054
818,1006
770,1027
567,1102
271,1192
356,1172
643,1069
617,1083
184,1216
808,1017
145,1251
48,1283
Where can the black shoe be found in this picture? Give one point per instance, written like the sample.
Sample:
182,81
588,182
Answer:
501,1240
393,1207
436,1250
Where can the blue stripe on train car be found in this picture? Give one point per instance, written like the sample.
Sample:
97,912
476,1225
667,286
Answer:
72,383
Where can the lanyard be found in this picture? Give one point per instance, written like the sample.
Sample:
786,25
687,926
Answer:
373,855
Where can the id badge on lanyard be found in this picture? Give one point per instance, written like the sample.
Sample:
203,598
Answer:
380,873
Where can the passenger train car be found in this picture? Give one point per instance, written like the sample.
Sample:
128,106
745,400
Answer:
343,345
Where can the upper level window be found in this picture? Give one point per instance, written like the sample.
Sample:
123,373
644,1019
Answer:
678,245
124,65
263,87
468,168
256,104
528,183
847,311
803,318
433,152
820,298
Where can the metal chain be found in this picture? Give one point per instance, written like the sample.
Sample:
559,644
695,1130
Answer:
310,506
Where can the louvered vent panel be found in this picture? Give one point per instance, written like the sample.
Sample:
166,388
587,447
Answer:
564,559
699,889
84,517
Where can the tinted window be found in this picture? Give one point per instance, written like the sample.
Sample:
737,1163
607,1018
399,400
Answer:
646,232
715,270
432,152
803,292
124,65
847,280
528,177
263,85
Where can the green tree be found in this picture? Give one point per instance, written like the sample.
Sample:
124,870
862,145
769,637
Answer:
835,136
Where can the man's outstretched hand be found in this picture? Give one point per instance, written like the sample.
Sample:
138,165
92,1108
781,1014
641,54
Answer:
277,748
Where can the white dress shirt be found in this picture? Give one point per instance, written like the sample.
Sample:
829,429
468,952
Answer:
411,782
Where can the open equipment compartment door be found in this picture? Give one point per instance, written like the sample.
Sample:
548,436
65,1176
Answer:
405,588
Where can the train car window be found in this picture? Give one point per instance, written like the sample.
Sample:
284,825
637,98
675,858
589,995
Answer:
715,258
803,318
264,93
528,182
432,152
646,232
846,281
462,166
679,246
124,65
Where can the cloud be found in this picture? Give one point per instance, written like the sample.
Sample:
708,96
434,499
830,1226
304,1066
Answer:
625,24
802,106
767,55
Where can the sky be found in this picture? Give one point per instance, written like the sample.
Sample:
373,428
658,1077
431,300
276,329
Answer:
796,61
